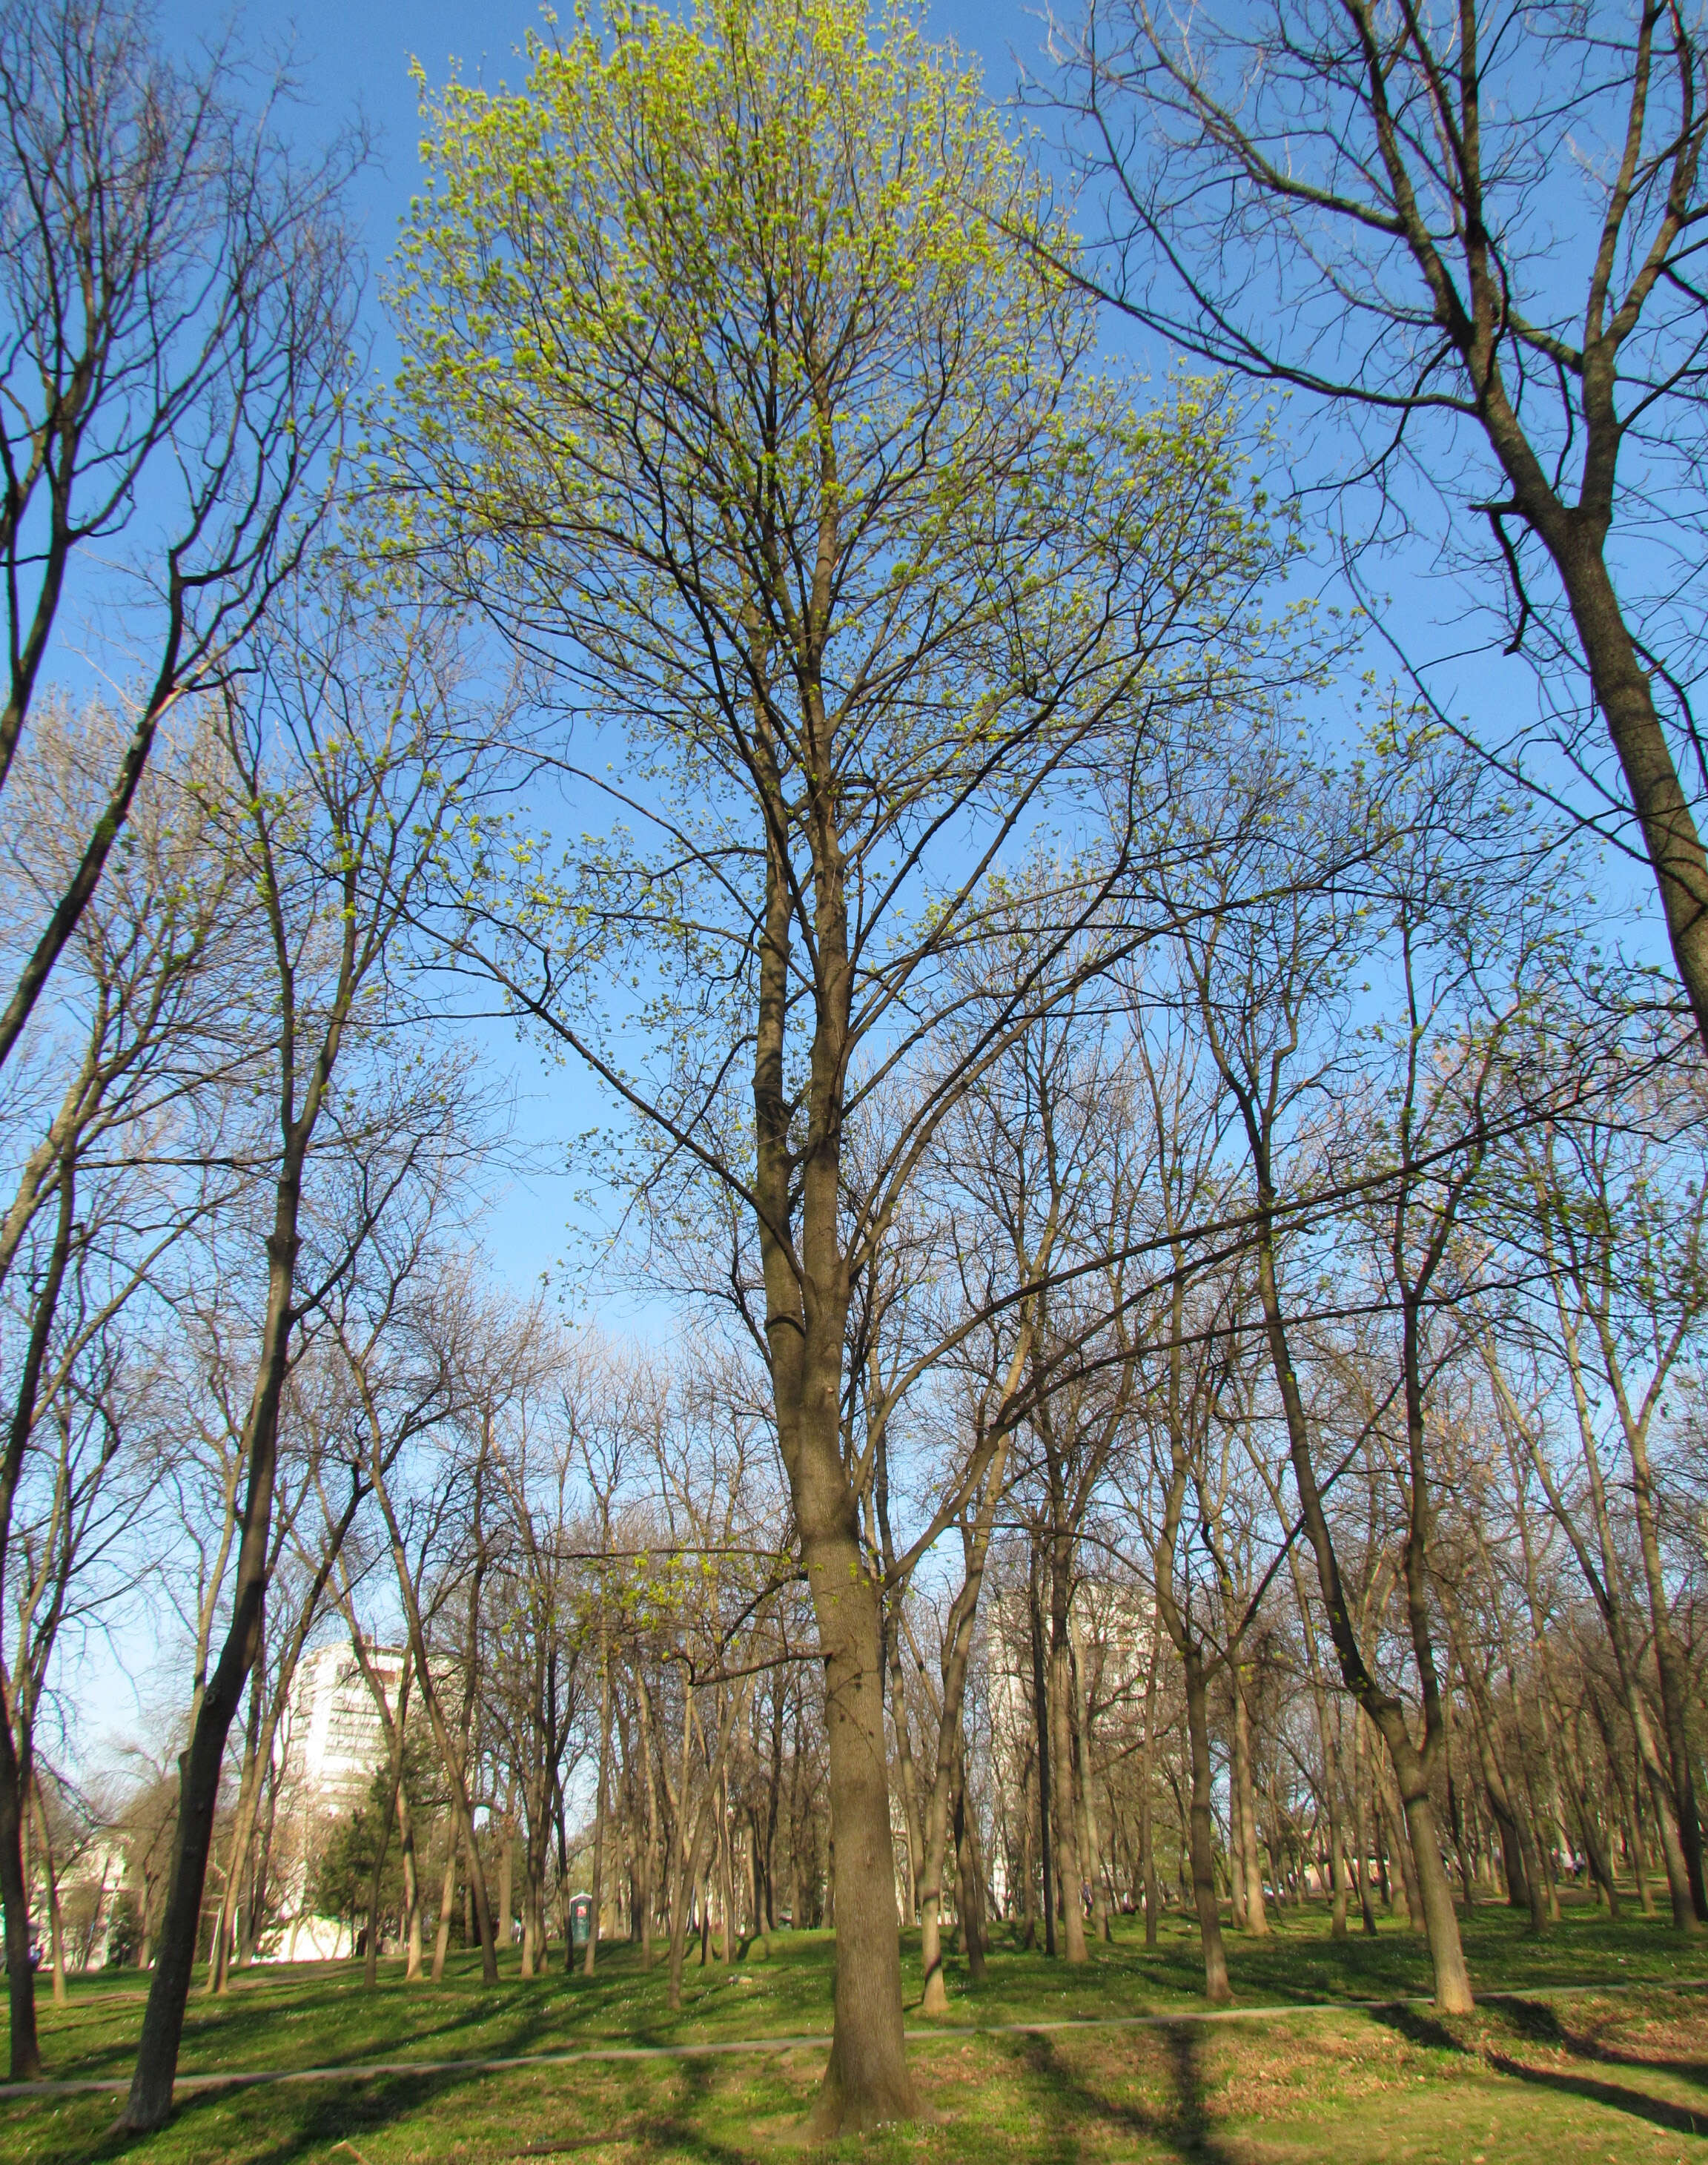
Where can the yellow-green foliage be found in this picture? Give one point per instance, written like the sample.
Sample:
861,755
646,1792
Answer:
720,342
766,236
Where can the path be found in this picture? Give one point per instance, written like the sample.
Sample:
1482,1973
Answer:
372,2070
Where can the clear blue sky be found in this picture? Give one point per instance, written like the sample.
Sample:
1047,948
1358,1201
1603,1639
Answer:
356,54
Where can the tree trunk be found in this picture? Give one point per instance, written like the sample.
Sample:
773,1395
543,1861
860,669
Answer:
957,1650
17,1770
1411,1767
867,2082
1147,1805
903,1754
1217,1988
1070,1868
1669,1660
597,1889
1088,1808
1256,1916
1040,1715
1361,1831
411,1888
150,2097
798,1184
970,1878
1028,1875
370,1965
56,1935
447,1899
1623,694
644,1718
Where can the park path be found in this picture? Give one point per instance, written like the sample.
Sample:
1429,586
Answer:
362,2071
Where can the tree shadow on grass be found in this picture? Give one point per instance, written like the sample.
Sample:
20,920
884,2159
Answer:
312,2121
1534,2019
334,2121
1186,2128
1537,2022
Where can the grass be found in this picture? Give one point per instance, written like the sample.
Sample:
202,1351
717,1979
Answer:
1594,2073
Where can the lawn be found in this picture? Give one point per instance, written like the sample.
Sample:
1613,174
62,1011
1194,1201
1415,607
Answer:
1556,2071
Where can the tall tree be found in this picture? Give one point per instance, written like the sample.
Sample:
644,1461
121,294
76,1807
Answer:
348,750
787,466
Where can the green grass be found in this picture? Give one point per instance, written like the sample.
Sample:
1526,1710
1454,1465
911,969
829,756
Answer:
1594,2075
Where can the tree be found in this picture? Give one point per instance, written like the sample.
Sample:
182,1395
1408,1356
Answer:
788,468
348,753
123,1091
1473,233
1265,982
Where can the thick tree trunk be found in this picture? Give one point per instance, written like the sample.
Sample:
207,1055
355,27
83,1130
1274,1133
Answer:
867,2082
798,1191
25,2054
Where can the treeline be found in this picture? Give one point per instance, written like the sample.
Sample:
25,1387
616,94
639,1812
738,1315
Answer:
1180,1192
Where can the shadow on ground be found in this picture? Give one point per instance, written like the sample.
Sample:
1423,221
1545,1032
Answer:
1533,2024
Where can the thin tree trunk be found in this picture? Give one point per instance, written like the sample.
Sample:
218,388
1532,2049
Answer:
150,2097
1360,1795
1257,1916
1040,1715
597,1889
1147,1805
447,1900
1092,1845
1217,1988
55,1922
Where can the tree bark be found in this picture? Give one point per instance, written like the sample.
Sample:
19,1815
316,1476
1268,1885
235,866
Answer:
597,1889
150,2097
1216,1988
1040,1716
1257,1920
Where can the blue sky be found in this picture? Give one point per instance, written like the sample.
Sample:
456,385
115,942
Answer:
354,57
356,54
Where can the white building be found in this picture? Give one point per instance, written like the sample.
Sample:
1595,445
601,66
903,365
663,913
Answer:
329,1744
1112,1628
332,1738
